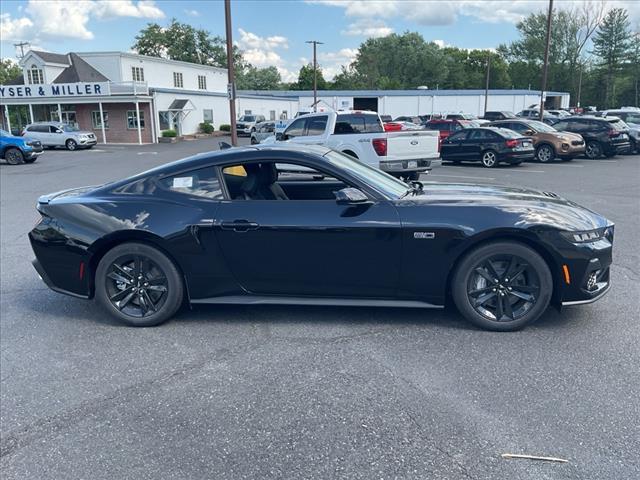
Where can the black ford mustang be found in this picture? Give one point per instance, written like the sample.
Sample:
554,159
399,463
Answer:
308,225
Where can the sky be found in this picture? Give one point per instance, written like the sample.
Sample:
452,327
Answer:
270,32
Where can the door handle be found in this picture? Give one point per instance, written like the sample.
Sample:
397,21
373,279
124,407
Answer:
239,225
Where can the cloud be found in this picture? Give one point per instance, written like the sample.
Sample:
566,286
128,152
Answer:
192,13
368,28
332,62
56,19
250,40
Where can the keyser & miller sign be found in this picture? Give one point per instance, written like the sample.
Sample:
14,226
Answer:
55,90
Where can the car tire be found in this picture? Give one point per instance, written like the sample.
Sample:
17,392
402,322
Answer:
593,150
489,159
253,141
71,144
14,156
139,285
480,296
545,153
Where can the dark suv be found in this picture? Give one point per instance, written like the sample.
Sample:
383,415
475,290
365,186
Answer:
495,115
603,136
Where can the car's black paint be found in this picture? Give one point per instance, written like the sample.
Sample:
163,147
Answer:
388,248
462,146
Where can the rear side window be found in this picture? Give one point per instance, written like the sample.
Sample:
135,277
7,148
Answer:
617,125
355,123
202,183
482,135
38,129
458,136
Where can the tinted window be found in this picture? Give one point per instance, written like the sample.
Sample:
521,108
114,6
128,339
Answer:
52,129
516,127
39,129
316,125
296,129
357,123
200,183
458,136
482,135
561,126
373,124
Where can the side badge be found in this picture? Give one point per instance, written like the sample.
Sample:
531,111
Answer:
424,235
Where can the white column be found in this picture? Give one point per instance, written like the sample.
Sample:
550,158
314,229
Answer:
31,113
59,114
138,122
104,134
6,114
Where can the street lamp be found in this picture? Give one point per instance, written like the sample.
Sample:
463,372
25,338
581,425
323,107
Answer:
315,74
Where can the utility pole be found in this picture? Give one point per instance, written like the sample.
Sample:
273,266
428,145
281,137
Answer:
231,87
545,67
580,85
486,87
21,45
315,74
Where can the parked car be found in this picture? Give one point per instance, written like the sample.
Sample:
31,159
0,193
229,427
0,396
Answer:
399,126
603,136
431,116
447,127
56,134
503,254
460,116
548,142
488,145
414,119
386,118
17,150
559,113
630,116
404,154
498,115
263,130
534,114
246,124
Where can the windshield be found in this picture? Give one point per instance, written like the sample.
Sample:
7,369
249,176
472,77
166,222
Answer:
542,127
70,128
248,118
388,185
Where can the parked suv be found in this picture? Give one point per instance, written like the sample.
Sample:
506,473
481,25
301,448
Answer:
17,150
263,130
603,136
247,123
548,142
56,134
494,115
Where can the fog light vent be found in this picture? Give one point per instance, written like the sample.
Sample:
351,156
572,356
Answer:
592,282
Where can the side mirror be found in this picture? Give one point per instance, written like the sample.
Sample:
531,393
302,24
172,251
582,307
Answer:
280,136
351,196
529,132
59,131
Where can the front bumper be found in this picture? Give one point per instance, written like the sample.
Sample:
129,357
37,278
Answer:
29,154
570,150
86,142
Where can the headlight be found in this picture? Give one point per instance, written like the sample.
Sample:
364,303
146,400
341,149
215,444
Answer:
589,235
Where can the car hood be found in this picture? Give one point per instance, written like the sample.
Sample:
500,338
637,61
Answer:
562,135
526,207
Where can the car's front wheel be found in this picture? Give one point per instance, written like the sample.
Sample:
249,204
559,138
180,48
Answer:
489,159
71,144
139,285
254,141
502,286
13,156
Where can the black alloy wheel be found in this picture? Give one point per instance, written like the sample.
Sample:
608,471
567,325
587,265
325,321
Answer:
71,144
545,153
593,150
14,156
502,286
138,284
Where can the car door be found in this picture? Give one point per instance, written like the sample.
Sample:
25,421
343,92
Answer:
314,130
311,246
451,147
473,144
56,136
295,130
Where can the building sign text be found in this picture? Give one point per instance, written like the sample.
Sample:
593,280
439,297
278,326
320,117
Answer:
55,90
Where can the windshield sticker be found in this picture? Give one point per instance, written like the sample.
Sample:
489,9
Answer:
183,182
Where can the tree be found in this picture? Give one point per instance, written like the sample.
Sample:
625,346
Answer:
252,78
180,41
305,79
612,47
8,70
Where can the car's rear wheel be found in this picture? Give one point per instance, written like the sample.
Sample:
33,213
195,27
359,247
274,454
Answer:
502,286
254,141
13,156
139,285
545,153
489,159
593,150
71,144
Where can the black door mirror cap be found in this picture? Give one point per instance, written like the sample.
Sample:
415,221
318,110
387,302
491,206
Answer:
351,196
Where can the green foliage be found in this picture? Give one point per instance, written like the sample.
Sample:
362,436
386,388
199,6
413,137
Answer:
169,133
206,127
253,78
225,128
8,70
305,79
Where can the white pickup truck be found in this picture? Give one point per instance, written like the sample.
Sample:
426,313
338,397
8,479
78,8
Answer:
403,154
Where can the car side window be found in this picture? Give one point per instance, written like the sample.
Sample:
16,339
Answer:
458,136
517,127
296,129
346,124
316,125
482,135
562,126
202,183
53,129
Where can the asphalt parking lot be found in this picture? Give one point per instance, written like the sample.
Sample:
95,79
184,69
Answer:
231,392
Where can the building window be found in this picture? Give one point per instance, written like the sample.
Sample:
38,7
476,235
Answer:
247,112
137,73
177,80
95,119
202,82
35,76
272,114
207,115
132,122
165,120
283,115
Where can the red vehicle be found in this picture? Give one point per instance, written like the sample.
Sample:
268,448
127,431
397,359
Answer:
392,126
447,127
